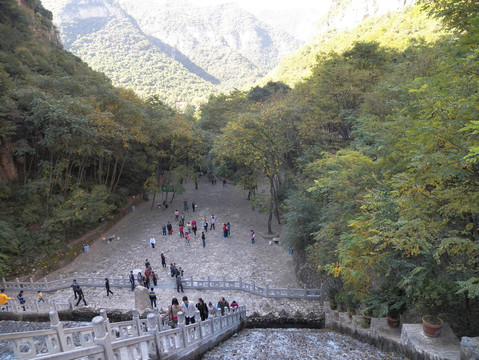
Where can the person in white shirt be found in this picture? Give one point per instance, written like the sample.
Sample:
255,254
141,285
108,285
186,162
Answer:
189,310
152,242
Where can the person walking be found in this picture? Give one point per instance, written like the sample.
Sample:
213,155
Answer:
179,284
152,241
225,231
170,228
74,287
188,227
194,227
152,296
21,300
193,206
132,280
182,234
228,227
172,313
4,299
222,305
40,296
80,296
154,278
147,264
187,239
189,311
212,222
203,309
177,214
163,228
185,205
163,260
205,225
252,236
147,277
203,239
107,286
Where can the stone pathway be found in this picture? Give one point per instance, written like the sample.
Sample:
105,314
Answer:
232,258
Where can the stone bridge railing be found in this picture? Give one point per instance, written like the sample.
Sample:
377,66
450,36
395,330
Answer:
189,283
149,338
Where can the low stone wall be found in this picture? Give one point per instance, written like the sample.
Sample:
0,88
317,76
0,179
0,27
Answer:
284,320
407,340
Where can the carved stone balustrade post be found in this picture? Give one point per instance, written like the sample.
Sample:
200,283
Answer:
102,338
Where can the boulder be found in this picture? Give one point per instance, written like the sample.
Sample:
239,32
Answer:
142,299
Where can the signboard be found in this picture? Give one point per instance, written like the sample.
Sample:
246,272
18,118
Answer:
167,188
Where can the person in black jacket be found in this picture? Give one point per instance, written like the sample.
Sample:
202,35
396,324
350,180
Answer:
80,296
132,281
107,285
203,309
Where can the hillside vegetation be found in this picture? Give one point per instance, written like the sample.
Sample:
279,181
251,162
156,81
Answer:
72,146
371,161
394,30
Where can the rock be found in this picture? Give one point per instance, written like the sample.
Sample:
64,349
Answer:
142,299
469,348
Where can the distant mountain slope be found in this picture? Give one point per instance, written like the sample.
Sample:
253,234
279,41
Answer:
169,48
393,29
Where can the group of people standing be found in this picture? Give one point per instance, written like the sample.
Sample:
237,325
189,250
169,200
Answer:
189,310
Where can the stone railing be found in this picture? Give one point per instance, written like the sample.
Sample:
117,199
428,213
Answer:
36,307
149,338
208,284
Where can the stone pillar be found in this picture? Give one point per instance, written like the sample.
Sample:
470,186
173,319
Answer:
56,325
136,320
107,322
102,338
181,318
152,321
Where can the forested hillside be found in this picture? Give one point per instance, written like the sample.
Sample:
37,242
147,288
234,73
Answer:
394,29
371,162
72,146
172,49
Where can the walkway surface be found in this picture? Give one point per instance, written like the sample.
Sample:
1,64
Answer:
232,258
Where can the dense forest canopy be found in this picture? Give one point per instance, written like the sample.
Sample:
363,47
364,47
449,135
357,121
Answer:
370,160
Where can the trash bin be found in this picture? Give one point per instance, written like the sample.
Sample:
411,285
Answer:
133,208
86,248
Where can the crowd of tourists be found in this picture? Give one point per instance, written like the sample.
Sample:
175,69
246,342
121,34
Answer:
149,279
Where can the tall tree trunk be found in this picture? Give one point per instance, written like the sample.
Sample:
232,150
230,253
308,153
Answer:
119,174
271,204
153,200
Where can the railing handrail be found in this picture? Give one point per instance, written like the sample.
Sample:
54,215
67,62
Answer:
208,284
155,335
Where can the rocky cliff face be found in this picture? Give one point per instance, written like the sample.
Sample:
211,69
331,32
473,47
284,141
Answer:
347,14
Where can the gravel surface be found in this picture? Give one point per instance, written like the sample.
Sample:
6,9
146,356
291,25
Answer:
231,258
294,344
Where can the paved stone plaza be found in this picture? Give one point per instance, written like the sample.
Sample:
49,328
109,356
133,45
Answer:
231,258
